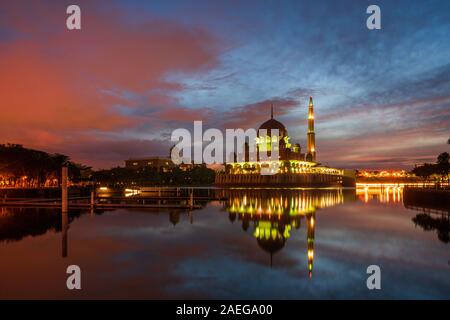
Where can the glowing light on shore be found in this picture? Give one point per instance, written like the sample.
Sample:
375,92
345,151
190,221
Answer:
131,192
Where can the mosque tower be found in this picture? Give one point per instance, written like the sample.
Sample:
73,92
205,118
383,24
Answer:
311,138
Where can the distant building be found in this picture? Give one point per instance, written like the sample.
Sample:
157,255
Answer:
156,164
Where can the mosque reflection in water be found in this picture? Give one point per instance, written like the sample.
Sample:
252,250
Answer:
276,215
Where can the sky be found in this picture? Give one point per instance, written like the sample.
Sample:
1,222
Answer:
137,70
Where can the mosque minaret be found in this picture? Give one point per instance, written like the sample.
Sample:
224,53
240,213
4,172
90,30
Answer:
311,138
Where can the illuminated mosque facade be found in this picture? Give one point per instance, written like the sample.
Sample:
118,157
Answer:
292,168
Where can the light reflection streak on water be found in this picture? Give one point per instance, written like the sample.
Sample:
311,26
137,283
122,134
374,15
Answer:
382,194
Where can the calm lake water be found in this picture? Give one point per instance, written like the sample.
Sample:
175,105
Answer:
269,244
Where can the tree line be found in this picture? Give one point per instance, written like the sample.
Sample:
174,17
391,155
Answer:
23,167
435,172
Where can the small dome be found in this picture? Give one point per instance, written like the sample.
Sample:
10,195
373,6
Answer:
273,124
271,245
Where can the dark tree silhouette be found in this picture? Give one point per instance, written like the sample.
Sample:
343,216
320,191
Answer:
424,171
443,165
32,168
440,168
429,223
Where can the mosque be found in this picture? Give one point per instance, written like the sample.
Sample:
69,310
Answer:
286,150
293,168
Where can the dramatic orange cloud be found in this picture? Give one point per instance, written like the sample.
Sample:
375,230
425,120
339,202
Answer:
56,85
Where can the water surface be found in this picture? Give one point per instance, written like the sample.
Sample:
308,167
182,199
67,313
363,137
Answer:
269,244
